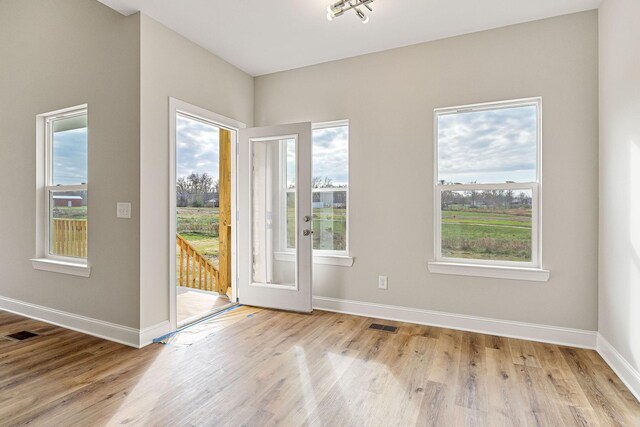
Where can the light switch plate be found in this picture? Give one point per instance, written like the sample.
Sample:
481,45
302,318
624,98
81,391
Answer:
124,210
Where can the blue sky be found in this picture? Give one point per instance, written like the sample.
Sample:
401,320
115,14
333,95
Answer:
70,157
197,152
492,146
331,154
197,148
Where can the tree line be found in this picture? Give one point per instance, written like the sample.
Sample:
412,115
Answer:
496,199
197,190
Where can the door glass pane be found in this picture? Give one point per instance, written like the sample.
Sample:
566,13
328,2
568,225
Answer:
273,200
68,226
491,224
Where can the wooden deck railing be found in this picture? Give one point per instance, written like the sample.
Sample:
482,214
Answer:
195,270
69,237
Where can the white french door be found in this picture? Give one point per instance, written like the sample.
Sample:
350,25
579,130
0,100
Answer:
274,217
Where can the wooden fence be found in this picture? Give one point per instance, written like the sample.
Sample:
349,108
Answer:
69,237
195,270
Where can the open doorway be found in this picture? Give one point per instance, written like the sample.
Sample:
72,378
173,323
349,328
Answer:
201,234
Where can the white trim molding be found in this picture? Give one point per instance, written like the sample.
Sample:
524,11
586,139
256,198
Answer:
339,260
98,328
46,264
147,335
87,325
520,330
492,271
627,374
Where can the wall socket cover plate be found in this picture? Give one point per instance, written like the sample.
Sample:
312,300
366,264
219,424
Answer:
123,210
382,282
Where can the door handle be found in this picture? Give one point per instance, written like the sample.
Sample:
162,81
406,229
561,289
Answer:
307,218
306,232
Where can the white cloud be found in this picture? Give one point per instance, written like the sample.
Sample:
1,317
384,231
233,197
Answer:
70,157
331,154
490,146
197,147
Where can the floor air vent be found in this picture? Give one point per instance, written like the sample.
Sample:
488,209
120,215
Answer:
385,328
19,336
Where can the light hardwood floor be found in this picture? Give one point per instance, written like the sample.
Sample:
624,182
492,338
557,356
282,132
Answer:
292,369
193,304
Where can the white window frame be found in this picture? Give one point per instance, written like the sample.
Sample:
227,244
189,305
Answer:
486,267
320,256
44,260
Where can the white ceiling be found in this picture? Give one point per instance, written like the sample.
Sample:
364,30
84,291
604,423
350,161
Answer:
265,36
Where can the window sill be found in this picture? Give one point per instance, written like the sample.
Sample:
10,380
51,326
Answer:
492,271
339,260
62,267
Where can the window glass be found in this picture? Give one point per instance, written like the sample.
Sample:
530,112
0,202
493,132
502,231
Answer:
69,151
491,224
66,185
487,183
488,146
330,187
68,226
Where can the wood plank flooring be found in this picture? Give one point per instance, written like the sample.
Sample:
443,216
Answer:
193,304
324,369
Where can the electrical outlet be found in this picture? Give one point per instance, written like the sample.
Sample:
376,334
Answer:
382,282
124,210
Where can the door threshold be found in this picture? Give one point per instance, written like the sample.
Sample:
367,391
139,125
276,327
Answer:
200,317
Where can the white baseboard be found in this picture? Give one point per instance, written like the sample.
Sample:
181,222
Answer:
526,331
98,328
147,335
627,374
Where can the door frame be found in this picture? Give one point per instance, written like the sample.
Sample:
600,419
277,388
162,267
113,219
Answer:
179,106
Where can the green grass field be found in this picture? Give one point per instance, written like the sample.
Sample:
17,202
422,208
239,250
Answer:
466,233
199,226
79,212
487,234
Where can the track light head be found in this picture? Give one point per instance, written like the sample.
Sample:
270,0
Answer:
336,9
364,18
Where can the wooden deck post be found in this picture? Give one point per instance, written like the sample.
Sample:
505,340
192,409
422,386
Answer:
224,225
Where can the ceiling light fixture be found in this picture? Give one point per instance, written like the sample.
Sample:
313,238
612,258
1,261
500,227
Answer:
342,6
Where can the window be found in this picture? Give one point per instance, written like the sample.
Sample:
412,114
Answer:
330,186
330,182
65,186
487,184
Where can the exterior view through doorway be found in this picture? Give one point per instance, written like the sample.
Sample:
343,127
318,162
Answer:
201,214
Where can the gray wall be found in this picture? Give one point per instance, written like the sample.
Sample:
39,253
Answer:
389,99
620,177
56,54
172,66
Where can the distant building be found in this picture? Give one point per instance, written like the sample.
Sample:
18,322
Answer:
213,201
68,201
329,198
